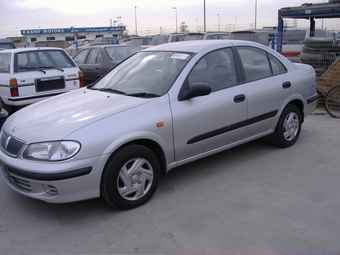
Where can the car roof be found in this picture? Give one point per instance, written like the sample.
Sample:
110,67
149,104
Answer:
31,49
113,45
255,31
199,45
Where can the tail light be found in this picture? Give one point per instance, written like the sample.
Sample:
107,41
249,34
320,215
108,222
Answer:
81,79
13,86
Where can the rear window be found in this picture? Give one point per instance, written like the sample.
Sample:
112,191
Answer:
178,38
160,39
243,36
120,53
4,63
33,60
193,37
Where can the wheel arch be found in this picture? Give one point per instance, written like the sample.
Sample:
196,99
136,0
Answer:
150,144
299,104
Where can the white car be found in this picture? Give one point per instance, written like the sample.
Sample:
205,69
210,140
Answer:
28,75
161,108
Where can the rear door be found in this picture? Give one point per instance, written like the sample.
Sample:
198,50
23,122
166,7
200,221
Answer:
268,86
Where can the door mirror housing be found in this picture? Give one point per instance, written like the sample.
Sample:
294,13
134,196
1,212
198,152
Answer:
196,89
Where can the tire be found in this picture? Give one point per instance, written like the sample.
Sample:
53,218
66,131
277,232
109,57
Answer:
310,58
288,128
310,50
318,42
130,177
332,102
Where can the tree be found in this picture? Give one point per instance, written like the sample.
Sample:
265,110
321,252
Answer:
183,27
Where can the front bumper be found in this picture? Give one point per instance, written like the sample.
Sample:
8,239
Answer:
66,182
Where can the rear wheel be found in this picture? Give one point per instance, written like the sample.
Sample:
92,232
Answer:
288,128
131,177
9,108
332,102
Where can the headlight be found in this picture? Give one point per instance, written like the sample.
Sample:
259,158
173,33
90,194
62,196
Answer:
52,151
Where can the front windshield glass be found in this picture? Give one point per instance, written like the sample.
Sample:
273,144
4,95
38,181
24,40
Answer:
144,74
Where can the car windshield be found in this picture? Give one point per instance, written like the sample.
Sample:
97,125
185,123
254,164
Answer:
146,74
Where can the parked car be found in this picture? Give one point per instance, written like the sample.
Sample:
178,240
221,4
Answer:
206,36
293,41
28,75
94,61
167,38
6,44
161,108
262,36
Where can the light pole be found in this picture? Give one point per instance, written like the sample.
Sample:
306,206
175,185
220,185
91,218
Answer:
197,24
136,18
255,12
176,17
204,16
218,22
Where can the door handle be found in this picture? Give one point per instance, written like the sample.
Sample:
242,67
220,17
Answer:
239,98
286,85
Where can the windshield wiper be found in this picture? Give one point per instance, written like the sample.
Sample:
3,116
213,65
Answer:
31,68
144,94
50,67
110,90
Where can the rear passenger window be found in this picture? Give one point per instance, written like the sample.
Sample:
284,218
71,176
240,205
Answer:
257,64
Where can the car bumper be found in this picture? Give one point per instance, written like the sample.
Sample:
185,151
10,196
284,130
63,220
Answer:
63,183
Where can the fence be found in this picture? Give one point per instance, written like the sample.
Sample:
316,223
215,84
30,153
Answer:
324,56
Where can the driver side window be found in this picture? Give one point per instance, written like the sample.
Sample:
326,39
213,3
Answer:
217,68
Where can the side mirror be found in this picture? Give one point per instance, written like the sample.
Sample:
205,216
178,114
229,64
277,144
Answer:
196,89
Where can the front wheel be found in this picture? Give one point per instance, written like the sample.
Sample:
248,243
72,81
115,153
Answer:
131,177
288,128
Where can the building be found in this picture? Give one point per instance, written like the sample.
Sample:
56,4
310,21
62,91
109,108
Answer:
69,34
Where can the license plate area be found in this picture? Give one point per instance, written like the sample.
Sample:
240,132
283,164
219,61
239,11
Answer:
51,83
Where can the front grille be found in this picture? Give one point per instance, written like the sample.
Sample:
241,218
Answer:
10,145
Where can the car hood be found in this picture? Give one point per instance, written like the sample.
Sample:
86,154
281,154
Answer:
57,117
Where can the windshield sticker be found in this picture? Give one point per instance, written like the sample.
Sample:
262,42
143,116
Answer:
180,56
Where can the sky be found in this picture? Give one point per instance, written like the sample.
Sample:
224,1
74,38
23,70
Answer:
147,17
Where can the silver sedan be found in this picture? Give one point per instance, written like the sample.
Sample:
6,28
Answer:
163,107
